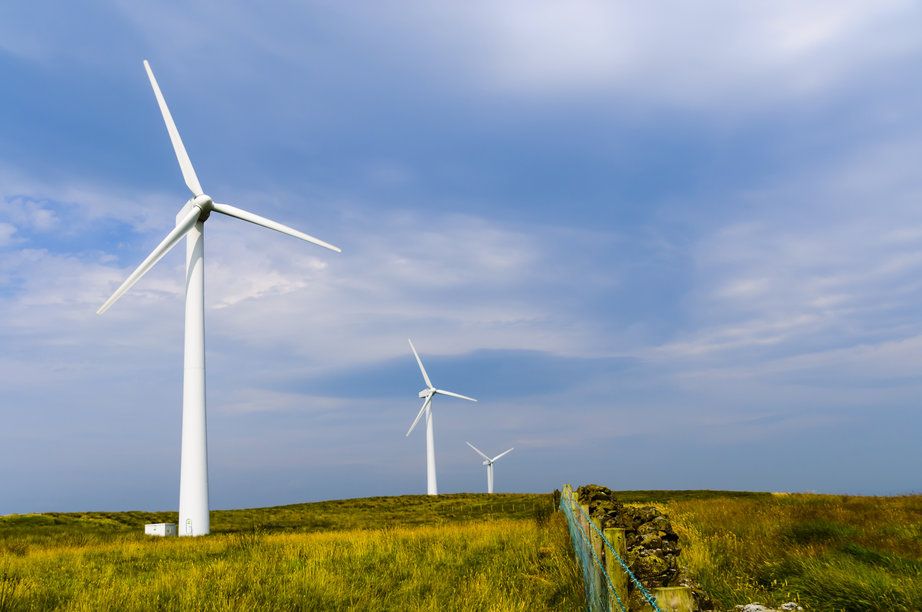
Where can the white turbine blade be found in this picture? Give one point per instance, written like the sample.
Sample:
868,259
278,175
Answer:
478,451
185,164
183,226
420,362
420,415
233,211
458,395
493,460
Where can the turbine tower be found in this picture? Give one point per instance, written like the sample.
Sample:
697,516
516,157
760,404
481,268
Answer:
190,222
427,394
489,463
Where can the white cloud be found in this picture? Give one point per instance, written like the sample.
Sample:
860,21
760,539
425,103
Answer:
825,269
29,214
26,201
460,282
7,231
669,52
720,55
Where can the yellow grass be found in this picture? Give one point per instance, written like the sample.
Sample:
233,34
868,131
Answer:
492,565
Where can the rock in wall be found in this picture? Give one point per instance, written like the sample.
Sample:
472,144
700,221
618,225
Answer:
652,545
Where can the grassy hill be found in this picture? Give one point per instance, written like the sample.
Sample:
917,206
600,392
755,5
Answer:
460,552
502,552
362,513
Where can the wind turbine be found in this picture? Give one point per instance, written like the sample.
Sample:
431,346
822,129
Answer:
428,393
489,463
190,222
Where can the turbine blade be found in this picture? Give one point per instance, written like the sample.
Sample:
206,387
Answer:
458,395
501,455
185,164
183,226
478,451
420,362
238,213
427,401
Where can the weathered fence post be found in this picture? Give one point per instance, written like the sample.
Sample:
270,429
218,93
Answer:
592,538
595,538
565,493
615,537
674,599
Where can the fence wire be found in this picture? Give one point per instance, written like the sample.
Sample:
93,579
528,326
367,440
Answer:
596,598
600,591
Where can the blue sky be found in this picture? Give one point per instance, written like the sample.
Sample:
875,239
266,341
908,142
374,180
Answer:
666,246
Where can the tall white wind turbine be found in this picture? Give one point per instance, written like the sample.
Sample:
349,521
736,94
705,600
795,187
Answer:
489,463
427,394
190,222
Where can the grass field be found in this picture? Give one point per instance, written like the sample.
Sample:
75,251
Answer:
460,552
827,552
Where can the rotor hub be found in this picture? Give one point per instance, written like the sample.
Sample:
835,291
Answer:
205,204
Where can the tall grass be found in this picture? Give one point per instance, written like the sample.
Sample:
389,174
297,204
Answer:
513,563
826,552
460,552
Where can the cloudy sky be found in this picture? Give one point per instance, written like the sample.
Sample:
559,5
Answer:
667,246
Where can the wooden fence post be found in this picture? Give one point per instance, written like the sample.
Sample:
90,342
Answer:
596,579
673,599
595,538
615,537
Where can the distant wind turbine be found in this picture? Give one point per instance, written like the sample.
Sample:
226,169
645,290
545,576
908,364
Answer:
190,222
489,463
427,394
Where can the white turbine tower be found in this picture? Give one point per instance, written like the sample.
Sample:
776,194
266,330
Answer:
489,463
190,222
428,393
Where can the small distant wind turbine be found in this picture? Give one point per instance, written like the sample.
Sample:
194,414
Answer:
190,222
428,393
489,463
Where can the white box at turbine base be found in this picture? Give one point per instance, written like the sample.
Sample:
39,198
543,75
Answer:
160,529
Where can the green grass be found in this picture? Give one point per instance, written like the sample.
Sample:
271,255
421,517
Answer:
828,552
363,513
460,552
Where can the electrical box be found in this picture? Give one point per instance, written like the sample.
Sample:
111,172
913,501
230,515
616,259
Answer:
160,529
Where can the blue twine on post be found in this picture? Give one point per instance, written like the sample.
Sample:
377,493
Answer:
571,523
650,599
646,594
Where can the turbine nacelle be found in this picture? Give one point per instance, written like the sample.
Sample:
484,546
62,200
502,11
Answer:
203,202
426,393
486,459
